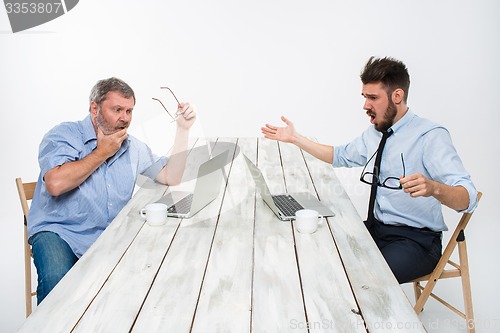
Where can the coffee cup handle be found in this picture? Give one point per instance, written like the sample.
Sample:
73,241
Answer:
143,212
321,218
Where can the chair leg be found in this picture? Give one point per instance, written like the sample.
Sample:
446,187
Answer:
27,274
464,267
424,295
417,292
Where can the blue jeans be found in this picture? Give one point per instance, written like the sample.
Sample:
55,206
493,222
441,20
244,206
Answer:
53,258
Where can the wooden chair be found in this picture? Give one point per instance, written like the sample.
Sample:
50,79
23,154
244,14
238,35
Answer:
461,270
26,192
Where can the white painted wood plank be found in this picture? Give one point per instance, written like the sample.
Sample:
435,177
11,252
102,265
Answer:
172,300
330,304
225,299
116,306
277,298
63,307
383,305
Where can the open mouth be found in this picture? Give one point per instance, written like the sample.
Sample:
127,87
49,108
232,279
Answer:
121,126
372,116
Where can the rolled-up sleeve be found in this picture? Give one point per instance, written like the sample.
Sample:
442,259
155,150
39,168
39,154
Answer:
153,170
149,164
445,166
58,147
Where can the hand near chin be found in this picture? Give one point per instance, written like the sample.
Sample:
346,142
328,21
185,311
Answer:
109,144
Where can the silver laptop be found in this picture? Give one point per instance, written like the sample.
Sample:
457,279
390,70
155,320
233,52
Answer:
285,205
208,184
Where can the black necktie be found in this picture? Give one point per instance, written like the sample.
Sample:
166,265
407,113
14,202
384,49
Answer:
376,173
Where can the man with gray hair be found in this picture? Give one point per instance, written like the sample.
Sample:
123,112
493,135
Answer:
88,170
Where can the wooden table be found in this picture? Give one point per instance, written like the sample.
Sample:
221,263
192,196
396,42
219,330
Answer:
233,267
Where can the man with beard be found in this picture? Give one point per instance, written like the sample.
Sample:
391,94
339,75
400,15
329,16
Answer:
416,171
88,172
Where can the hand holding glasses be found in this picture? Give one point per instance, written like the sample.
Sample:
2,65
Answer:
164,107
390,182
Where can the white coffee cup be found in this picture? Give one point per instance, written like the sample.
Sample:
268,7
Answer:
307,221
155,213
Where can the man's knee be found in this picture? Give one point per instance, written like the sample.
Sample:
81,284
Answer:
47,282
53,258
408,260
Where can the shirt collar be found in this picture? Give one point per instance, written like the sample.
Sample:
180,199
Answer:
88,130
405,120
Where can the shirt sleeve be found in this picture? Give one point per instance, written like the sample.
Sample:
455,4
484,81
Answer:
149,164
154,169
60,145
445,166
353,154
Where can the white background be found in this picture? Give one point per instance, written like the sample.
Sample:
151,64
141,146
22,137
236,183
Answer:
245,63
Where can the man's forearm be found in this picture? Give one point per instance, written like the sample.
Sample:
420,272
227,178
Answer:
68,176
318,150
172,173
455,197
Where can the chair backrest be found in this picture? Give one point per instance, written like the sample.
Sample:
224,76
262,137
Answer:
458,232
26,192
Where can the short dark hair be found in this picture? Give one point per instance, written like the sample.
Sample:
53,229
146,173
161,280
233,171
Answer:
102,87
392,73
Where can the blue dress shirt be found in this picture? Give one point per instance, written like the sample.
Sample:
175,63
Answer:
81,215
427,149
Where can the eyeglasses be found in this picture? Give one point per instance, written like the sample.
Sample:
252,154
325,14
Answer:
164,107
390,182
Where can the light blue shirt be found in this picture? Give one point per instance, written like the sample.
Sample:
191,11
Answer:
81,215
427,149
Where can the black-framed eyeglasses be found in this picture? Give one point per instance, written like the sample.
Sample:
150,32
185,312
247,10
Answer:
390,182
164,107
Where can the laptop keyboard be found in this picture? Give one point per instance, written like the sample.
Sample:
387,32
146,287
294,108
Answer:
287,204
183,206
